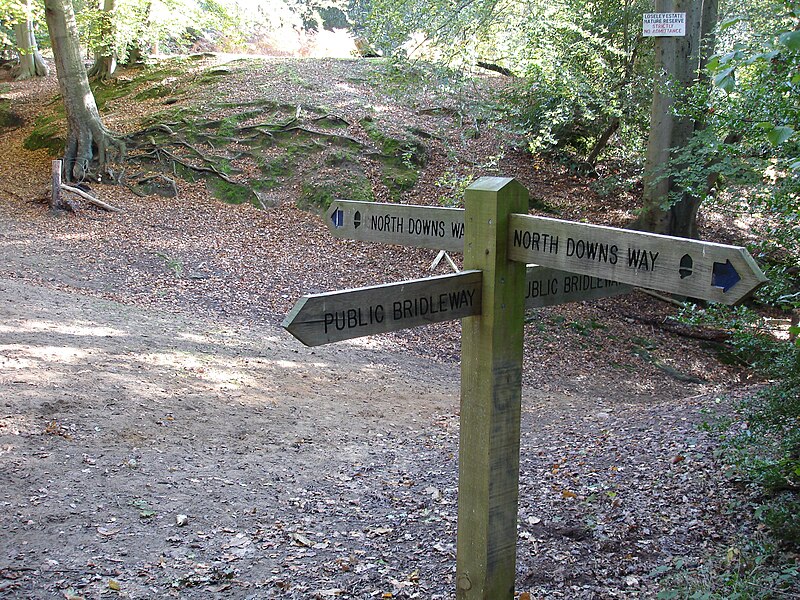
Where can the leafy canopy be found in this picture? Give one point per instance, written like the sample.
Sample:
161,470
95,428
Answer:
582,66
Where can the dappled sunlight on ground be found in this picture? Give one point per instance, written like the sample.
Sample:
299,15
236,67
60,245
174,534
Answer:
76,328
60,354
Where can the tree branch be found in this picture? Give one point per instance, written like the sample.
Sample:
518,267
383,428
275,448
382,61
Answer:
89,198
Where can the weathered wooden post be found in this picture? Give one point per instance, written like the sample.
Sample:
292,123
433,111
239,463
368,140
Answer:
491,373
576,261
55,193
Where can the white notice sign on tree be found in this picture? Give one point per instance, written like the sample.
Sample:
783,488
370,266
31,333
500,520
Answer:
664,24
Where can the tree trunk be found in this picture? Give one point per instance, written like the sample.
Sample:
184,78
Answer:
90,145
678,63
31,63
105,57
56,202
615,122
602,141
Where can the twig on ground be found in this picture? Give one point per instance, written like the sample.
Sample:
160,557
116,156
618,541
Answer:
662,297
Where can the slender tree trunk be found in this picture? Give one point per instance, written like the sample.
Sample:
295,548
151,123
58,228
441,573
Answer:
602,141
105,58
666,208
31,63
615,122
90,145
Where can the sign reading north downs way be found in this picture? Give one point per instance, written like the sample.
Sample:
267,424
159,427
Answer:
400,224
693,268
705,270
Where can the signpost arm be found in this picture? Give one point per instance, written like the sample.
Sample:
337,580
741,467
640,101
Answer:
491,373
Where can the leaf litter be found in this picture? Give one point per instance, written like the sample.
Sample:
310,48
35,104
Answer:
315,473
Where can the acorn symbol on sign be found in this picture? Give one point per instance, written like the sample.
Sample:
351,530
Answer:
357,219
686,266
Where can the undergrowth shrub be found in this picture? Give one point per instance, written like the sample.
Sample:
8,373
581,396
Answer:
760,453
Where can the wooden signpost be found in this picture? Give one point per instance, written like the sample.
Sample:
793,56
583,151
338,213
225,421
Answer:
324,318
402,224
704,270
318,319
498,239
551,287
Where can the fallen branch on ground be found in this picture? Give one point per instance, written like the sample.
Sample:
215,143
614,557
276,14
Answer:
662,297
89,198
684,329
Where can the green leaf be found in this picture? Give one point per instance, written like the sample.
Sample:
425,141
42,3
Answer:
713,63
724,59
730,22
779,134
726,79
790,39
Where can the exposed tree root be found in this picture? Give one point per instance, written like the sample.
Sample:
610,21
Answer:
325,134
199,146
90,152
103,69
198,168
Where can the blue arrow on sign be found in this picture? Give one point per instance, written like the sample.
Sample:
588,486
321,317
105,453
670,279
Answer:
724,275
337,218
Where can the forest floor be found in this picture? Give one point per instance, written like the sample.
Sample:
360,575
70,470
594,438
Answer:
162,436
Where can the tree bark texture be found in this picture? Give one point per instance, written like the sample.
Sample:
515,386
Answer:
89,145
678,62
31,63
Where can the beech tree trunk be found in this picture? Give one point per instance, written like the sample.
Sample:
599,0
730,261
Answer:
105,58
678,65
90,146
31,63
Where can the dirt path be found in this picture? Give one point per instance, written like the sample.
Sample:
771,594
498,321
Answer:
143,379
306,474
115,420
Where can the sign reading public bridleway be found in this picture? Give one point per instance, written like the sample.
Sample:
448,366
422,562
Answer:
335,316
692,268
549,287
346,314
402,224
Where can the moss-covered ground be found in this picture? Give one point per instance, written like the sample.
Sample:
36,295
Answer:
195,129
